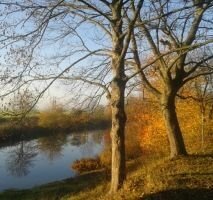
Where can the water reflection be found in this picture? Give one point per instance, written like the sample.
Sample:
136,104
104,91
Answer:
52,146
86,142
97,138
26,164
78,139
88,147
20,159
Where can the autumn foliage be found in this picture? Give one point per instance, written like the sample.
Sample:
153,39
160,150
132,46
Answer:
146,134
145,122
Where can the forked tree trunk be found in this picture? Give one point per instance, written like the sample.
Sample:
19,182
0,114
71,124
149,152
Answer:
117,135
177,146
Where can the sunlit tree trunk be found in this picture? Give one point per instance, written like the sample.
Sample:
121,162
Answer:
118,168
177,146
202,130
117,134
202,108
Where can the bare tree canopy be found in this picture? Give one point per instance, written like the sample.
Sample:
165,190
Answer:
177,48
85,41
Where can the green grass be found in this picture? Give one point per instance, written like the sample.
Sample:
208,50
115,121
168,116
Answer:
164,179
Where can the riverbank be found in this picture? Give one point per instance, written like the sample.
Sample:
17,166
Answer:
184,178
54,119
13,132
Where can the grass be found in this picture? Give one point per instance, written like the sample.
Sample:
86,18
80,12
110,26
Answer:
187,173
60,189
148,179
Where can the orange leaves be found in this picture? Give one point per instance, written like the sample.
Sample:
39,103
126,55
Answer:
189,116
146,121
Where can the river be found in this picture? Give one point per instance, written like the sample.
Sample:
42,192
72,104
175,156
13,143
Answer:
47,159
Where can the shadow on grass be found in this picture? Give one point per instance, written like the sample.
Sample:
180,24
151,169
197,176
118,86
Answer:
57,190
201,155
181,194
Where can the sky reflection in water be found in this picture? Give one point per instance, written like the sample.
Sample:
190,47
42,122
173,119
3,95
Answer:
46,159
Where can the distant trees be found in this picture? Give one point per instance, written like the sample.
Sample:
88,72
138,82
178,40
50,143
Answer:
145,121
204,97
19,106
53,117
19,103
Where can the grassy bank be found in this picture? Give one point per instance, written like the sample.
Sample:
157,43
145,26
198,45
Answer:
150,179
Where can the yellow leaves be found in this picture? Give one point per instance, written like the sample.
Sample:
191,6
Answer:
189,116
145,120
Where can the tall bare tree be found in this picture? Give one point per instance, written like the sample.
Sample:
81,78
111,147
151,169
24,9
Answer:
32,29
174,33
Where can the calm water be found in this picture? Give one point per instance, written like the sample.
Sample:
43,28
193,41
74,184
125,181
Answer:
44,160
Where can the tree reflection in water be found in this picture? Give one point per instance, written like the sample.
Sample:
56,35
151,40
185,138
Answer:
97,137
20,159
90,140
83,138
78,139
52,146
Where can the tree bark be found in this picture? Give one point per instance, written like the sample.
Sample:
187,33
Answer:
177,146
117,135
202,109
118,168
120,45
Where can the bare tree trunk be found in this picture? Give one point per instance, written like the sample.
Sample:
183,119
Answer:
177,146
202,131
118,168
202,125
118,137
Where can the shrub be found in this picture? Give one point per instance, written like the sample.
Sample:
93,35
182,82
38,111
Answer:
86,164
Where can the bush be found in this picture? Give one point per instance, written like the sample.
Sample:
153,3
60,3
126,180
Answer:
86,164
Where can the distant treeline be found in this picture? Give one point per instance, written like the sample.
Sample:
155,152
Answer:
51,121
